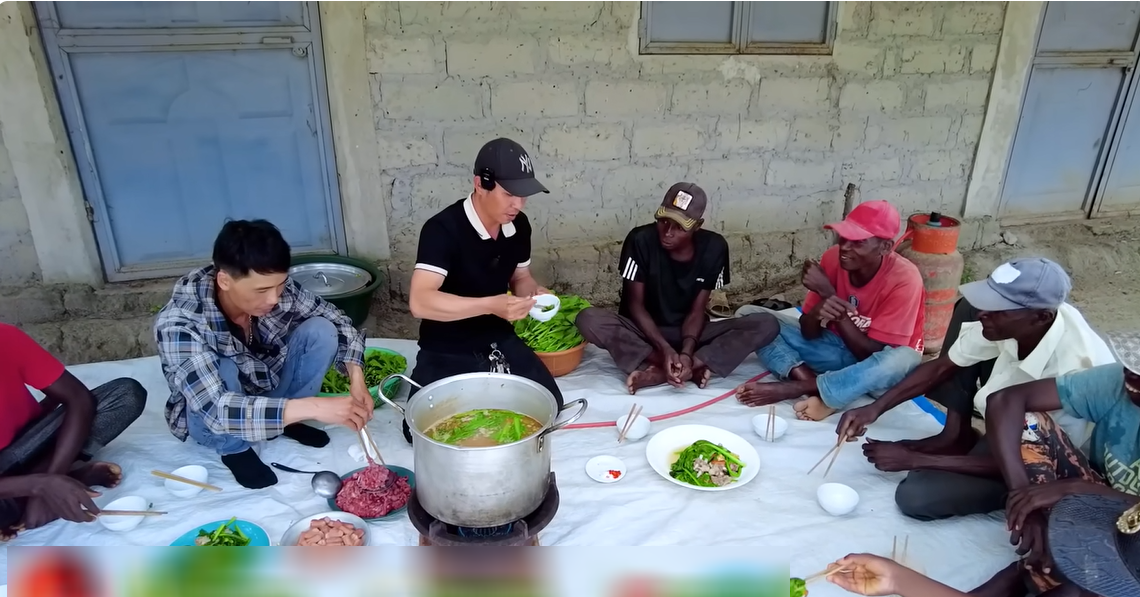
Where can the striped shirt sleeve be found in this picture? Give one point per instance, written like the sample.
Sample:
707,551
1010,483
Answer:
631,265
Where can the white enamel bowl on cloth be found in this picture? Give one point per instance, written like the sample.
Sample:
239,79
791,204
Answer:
124,523
663,448
837,499
638,430
193,472
545,307
760,425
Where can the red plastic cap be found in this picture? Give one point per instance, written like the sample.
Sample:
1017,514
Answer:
873,219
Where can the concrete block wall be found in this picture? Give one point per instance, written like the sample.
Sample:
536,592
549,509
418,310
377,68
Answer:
18,261
896,111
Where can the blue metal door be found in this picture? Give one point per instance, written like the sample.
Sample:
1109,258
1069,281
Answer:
185,114
1085,59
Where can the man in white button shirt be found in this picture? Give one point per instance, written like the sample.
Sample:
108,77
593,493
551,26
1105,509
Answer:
1011,328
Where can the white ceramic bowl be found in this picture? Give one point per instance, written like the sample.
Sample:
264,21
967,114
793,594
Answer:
837,499
760,425
193,472
124,523
638,430
293,535
543,302
663,448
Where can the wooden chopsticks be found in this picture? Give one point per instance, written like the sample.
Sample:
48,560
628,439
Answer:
130,513
634,412
171,477
365,435
770,432
831,569
834,453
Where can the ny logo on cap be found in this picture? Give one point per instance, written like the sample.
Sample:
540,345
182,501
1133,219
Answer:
682,200
524,161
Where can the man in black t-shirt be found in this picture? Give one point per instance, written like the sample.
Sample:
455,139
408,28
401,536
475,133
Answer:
661,332
470,255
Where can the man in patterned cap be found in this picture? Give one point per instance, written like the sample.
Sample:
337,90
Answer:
1038,461
661,332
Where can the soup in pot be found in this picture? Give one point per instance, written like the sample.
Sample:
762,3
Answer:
484,428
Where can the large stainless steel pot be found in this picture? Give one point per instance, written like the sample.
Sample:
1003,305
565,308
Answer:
481,487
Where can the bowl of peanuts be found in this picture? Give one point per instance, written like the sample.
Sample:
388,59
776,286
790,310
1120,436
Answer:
327,529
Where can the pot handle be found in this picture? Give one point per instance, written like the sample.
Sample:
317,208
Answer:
560,425
380,391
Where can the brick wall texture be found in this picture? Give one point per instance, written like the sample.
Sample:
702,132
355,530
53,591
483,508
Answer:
896,111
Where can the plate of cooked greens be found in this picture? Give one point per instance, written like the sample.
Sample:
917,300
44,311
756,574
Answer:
702,457
224,533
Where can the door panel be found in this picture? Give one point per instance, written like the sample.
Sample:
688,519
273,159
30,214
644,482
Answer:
1060,138
1122,184
1089,26
184,140
150,15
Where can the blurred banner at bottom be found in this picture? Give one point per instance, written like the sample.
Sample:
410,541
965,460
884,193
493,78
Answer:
391,572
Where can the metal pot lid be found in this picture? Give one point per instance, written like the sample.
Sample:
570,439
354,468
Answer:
328,279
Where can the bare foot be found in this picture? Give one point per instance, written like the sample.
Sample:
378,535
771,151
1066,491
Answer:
762,394
644,378
701,374
98,474
8,534
813,409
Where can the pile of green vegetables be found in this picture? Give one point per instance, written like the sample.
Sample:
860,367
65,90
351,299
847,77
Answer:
377,366
226,535
504,426
682,470
559,333
799,587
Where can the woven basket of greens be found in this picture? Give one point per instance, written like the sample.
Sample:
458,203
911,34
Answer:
378,364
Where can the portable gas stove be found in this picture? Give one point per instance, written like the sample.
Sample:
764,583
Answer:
515,534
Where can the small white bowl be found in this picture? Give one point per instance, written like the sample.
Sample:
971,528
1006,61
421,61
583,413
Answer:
639,428
760,426
545,307
124,523
599,469
837,499
193,472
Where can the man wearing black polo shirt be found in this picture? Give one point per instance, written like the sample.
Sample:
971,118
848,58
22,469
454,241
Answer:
661,333
470,255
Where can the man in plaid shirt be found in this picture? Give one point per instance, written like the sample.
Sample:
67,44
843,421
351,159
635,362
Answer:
245,349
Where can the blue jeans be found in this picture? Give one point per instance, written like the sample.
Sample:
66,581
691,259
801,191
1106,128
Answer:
310,351
842,377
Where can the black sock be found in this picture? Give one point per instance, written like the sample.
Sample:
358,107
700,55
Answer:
307,436
249,470
407,433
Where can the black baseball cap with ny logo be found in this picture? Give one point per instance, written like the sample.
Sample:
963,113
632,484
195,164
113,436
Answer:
510,166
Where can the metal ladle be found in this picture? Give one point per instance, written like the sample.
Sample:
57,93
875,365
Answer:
325,483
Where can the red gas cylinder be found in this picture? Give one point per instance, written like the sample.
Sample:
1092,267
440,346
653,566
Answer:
931,243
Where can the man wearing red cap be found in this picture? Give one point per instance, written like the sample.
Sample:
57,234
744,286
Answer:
861,328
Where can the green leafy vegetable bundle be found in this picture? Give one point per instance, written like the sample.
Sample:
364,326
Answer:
377,366
557,334
799,588
684,470
226,535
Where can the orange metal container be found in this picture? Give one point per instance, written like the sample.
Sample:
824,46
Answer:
934,250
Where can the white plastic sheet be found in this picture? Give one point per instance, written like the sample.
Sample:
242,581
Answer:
775,515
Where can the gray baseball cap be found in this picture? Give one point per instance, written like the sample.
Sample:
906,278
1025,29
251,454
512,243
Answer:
1030,283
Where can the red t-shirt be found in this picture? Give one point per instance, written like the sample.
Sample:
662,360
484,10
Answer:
23,363
889,309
